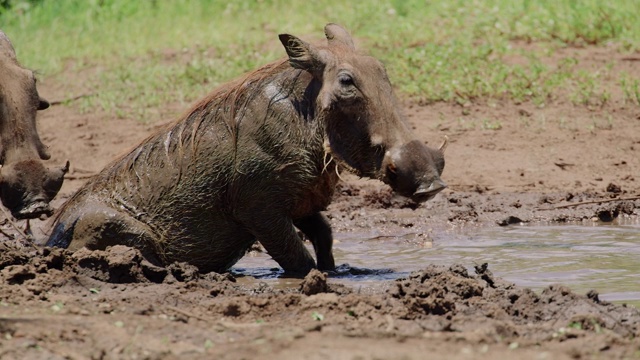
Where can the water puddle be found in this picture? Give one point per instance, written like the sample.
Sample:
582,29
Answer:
583,257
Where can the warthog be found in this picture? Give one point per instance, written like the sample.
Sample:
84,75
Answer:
254,160
26,186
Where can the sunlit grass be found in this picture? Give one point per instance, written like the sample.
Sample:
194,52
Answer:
434,50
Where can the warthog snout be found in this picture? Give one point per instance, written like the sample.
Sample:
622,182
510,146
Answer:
27,187
36,209
413,170
425,193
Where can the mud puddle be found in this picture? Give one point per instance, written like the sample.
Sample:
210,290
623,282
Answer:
582,257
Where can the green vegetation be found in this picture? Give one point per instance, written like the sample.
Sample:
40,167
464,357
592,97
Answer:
317,316
147,53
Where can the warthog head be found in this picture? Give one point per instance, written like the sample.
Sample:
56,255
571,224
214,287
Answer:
26,185
364,125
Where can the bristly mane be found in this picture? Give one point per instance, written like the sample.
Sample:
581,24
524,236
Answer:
225,99
225,103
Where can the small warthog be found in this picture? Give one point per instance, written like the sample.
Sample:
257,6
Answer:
254,160
26,186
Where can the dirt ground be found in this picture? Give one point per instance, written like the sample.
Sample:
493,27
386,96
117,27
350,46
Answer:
506,163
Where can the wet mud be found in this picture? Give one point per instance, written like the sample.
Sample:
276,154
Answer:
56,303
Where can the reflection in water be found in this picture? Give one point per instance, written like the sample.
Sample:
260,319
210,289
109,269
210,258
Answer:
601,257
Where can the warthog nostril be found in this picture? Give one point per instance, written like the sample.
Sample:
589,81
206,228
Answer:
424,193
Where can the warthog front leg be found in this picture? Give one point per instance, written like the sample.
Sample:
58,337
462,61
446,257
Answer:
316,227
280,238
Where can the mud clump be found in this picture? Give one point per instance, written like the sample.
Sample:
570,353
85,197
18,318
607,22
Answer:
16,275
314,283
122,264
613,188
12,254
465,301
609,212
510,220
607,215
117,264
436,290
18,264
387,199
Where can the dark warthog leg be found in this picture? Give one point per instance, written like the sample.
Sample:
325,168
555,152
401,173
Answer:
316,227
280,238
100,227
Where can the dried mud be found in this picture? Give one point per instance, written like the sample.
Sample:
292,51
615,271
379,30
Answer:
562,163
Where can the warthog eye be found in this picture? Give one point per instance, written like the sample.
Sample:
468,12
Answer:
345,79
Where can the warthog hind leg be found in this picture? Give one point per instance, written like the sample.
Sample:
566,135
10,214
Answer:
100,227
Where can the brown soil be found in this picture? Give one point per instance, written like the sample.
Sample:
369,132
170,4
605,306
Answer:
506,163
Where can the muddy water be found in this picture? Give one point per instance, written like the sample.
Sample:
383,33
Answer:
601,257
583,257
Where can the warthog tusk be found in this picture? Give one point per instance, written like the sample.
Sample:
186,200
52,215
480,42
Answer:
445,142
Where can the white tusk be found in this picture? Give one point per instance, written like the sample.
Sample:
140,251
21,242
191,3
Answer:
443,147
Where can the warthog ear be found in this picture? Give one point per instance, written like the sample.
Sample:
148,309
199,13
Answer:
6,48
301,54
336,34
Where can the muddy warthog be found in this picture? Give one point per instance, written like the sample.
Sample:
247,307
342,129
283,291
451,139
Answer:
26,186
254,160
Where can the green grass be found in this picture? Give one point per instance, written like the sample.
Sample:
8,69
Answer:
155,51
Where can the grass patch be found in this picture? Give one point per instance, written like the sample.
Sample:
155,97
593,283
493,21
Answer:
156,51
